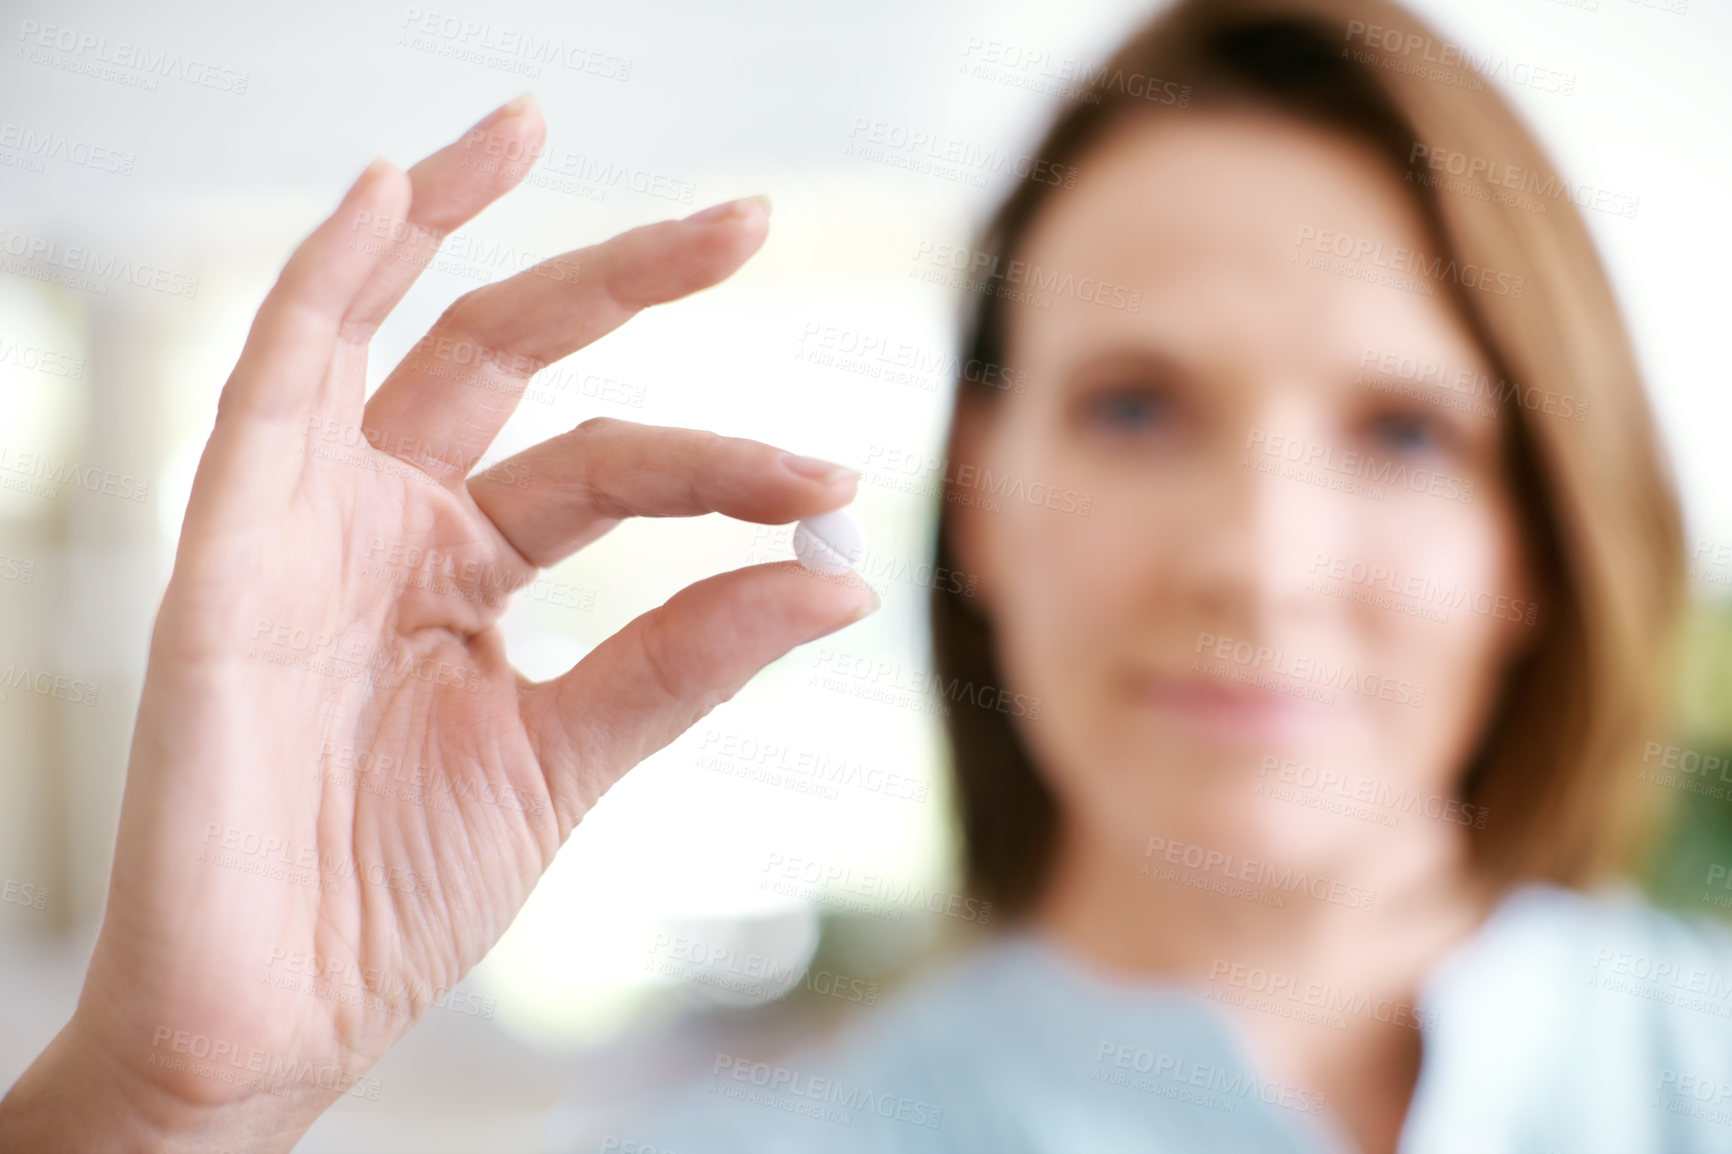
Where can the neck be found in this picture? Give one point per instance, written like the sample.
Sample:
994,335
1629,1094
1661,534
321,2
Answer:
1395,898
1254,949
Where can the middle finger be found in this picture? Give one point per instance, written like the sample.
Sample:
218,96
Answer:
558,496
443,405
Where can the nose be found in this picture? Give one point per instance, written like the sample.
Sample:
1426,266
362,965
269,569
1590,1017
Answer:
1274,503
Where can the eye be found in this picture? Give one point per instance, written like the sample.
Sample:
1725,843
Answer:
1408,432
1128,408
1135,401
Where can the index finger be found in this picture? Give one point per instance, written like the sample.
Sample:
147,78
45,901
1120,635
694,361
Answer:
448,189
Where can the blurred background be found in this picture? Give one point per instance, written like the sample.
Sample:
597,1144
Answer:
773,866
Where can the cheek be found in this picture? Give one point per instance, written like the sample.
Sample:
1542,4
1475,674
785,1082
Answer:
1070,599
1056,601
1436,601
1073,568
1083,595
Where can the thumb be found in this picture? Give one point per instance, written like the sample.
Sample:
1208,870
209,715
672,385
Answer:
654,679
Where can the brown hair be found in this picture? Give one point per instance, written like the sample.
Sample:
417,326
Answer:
1605,542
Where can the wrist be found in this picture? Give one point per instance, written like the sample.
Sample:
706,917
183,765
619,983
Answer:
77,1098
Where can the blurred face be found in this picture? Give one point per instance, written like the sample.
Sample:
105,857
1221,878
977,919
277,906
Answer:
1272,529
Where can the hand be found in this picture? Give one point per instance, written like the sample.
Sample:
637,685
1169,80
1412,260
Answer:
283,905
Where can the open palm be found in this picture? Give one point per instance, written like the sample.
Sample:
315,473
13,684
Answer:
340,792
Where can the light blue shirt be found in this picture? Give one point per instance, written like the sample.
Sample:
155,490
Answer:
1567,1023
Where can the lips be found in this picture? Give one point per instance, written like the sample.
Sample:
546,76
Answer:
1218,709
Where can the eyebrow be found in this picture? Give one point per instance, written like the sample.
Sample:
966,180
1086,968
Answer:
1123,357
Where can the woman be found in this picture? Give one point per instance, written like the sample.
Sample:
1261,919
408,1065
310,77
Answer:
1344,673
1287,849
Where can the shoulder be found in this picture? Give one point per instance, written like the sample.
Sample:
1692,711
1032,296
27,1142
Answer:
1010,1047
1588,1022
1609,955
1014,990
1017,1040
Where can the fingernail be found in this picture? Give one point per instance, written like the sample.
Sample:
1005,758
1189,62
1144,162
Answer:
509,108
729,209
869,610
816,469
374,167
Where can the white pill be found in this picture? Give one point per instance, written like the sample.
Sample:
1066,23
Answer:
831,543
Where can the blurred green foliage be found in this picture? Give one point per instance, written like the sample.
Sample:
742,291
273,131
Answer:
1697,836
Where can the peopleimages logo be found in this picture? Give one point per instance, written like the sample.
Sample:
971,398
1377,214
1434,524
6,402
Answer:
743,755
1410,52
478,42
1399,259
726,967
1067,77
1382,369
846,1097
900,361
91,270
1278,776
1309,670
53,364
252,1067
43,476
1279,879
1426,591
1271,988
93,55
46,683
34,146
1527,180
977,270
1312,459
803,877
939,478
1196,1083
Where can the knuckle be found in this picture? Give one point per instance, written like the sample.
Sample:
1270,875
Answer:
460,309
705,448
587,474
599,426
357,332
667,672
